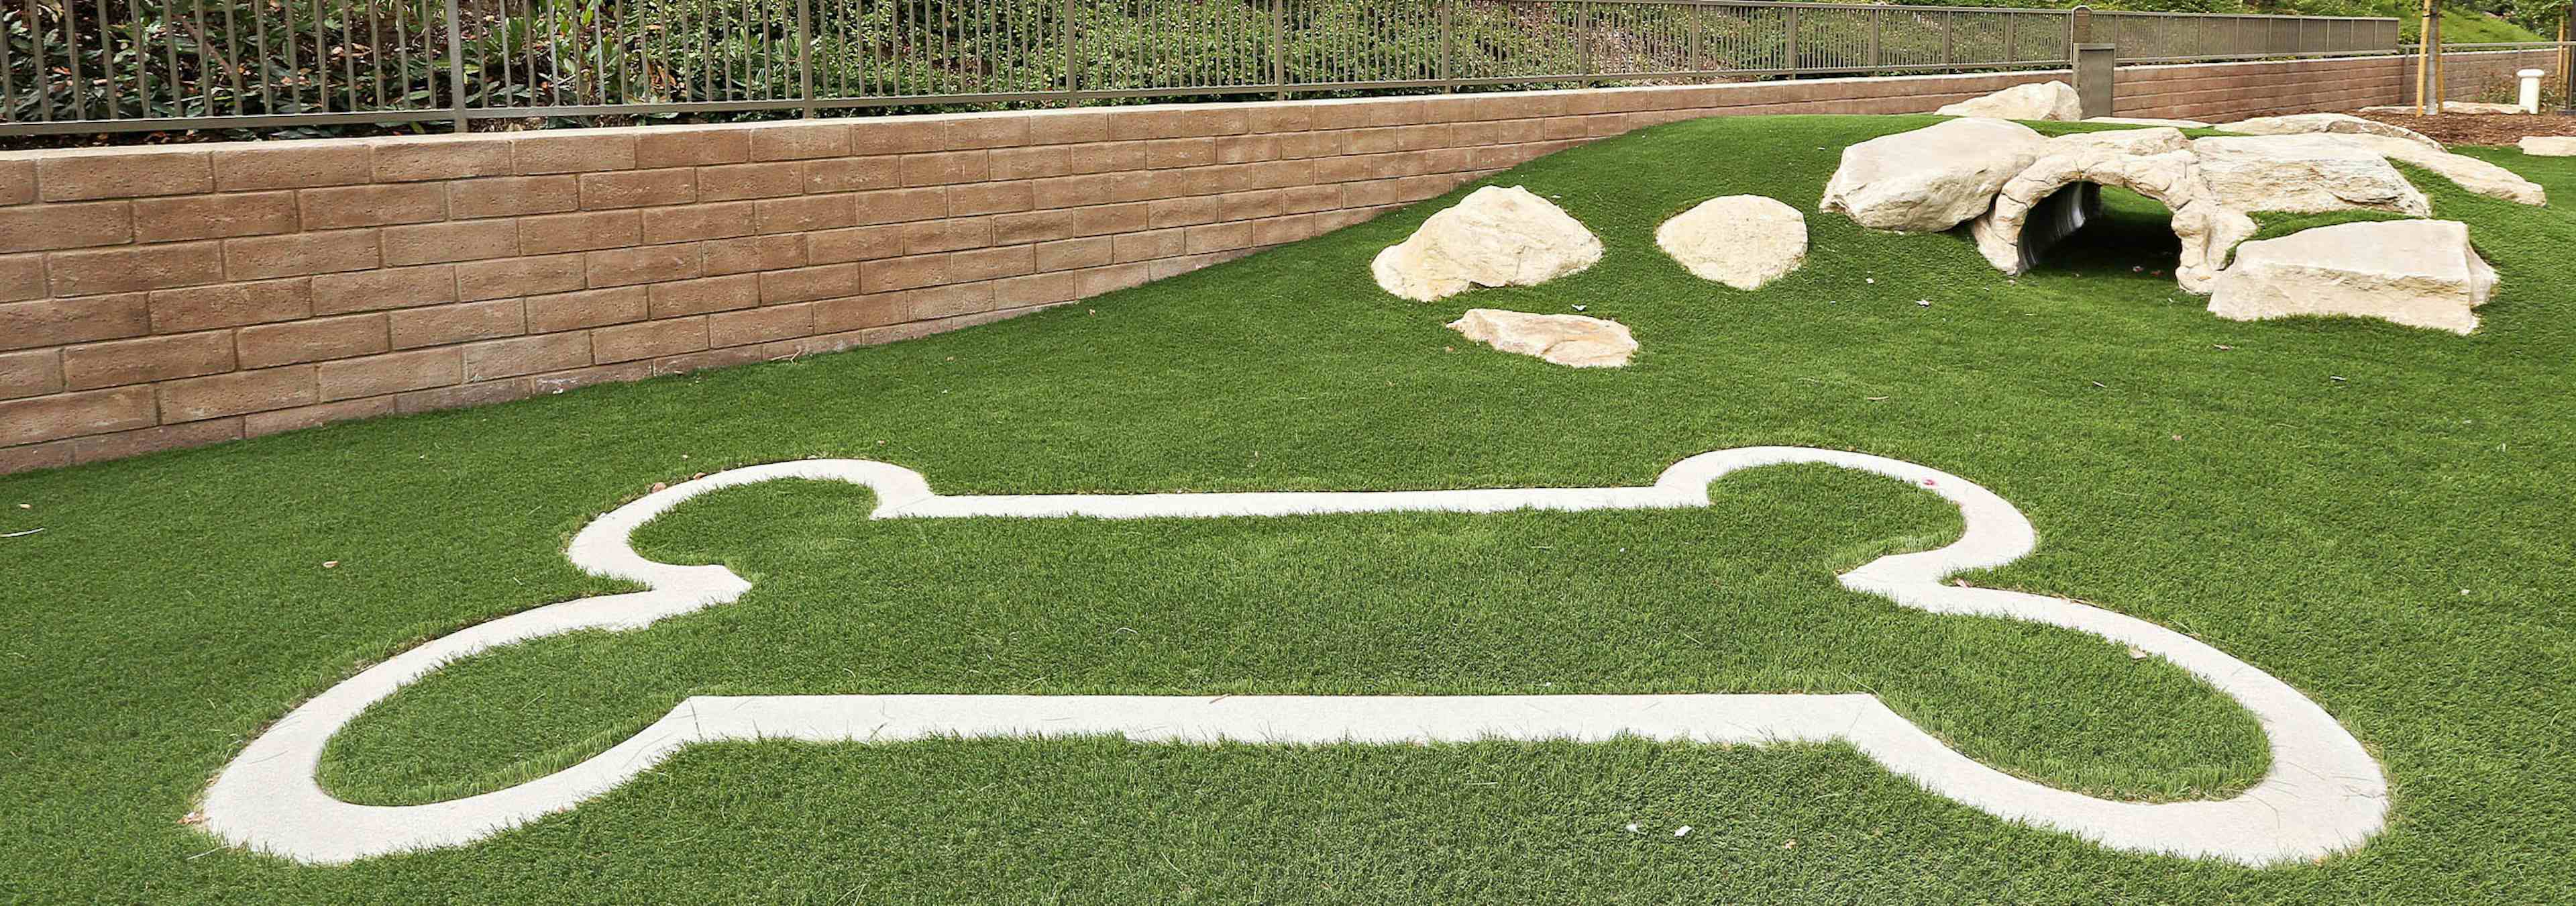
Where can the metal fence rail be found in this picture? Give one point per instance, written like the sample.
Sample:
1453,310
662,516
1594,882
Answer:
107,65
2180,37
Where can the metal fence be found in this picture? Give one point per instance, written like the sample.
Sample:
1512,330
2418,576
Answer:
107,65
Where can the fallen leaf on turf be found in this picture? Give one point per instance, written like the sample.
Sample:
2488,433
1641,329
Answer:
2136,653
22,534
1682,831
193,818
330,564
660,487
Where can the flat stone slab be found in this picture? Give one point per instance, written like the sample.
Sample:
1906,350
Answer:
2324,793
2469,107
2147,121
1574,341
2420,273
2549,145
2303,174
2327,123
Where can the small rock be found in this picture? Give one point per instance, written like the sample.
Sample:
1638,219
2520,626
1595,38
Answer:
1574,341
1742,241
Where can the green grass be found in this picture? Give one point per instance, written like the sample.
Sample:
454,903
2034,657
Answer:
2461,26
2374,514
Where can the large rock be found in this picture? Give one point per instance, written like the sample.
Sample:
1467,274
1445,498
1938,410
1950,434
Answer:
2128,141
2472,107
2156,163
2549,145
2337,123
1743,241
2470,173
1496,236
2303,174
1933,178
2147,121
2036,101
1574,341
2421,273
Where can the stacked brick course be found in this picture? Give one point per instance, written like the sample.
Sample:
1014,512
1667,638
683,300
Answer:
181,295
2476,76
2234,91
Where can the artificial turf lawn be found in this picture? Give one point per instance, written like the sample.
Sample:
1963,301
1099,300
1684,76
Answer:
2374,514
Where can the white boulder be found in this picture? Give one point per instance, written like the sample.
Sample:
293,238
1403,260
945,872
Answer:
1496,236
1574,341
1743,241
2335,123
2421,273
1933,178
2035,101
2549,145
2303,174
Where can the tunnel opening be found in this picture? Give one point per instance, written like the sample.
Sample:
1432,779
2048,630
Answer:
2087,227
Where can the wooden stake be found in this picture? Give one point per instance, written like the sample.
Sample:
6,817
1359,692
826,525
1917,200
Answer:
2428,39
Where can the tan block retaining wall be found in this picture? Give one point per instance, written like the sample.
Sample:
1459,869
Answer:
180,295
2473,76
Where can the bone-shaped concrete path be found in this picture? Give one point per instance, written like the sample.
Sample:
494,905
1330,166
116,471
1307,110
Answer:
2324,793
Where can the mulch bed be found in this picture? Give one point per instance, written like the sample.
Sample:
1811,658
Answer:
2480,128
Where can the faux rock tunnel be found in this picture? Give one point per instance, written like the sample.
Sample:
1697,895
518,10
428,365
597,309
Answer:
2062,191
2033,215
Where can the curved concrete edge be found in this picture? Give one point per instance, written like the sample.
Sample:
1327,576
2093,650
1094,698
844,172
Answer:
2323,795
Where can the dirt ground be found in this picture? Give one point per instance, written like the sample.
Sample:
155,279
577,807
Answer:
2480,128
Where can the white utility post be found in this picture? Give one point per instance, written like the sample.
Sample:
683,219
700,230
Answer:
2529,100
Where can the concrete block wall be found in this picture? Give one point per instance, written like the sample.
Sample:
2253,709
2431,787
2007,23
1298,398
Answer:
159,297
2224,92
2481,76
